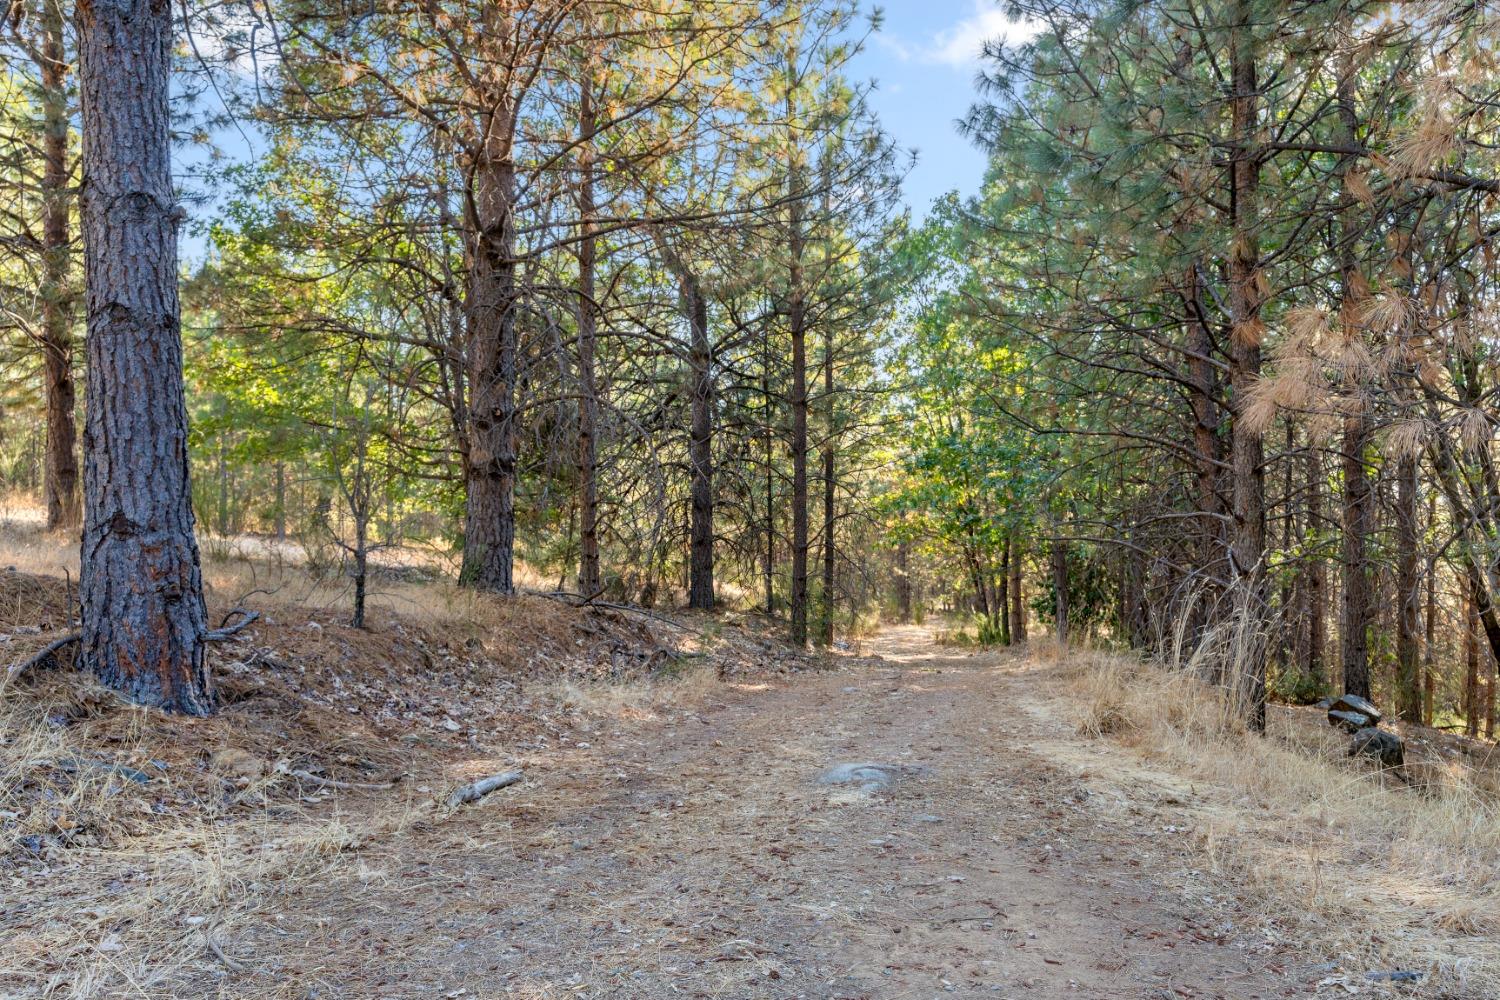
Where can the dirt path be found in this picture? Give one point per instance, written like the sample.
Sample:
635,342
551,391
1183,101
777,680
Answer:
700,857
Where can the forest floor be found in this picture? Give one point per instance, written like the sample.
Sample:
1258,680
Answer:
678,841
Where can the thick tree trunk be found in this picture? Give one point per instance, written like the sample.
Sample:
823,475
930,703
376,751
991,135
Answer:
1408,593
140,582
590,578
493,348
1245,300
700,447
60,479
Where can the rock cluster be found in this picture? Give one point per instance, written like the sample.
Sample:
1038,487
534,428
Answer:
1361,719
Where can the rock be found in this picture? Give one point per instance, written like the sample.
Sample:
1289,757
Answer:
1349,722
1379,744
1323,703
871,777
1354,703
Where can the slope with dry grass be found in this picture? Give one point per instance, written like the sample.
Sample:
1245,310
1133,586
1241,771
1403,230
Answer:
1394,871
132,842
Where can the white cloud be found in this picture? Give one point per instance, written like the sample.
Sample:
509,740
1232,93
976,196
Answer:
961,44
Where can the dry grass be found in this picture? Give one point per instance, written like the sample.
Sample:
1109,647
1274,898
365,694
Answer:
137,848
1384,870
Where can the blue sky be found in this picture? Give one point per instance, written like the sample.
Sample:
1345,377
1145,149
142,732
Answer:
924,61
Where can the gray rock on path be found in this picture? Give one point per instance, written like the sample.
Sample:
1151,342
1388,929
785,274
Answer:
869,777
1379,744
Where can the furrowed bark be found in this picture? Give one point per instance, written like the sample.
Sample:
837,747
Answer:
60,480
700,447
140,584
1247,549
590,578
493,347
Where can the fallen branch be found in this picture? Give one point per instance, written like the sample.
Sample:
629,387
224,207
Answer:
479,789
230,631
42,656
573,600
231,964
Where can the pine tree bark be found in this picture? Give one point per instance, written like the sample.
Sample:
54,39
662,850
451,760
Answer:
1471,658
60,478
1017,599
830,484
700,446
1409,593
1359,499
1358,514
797,328
493,348
590,577
140,583
1060,586
1202,379
1317,574
1245,300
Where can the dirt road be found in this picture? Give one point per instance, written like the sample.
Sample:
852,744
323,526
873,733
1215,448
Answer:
699,856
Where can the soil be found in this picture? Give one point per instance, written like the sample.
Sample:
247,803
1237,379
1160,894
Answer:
697,855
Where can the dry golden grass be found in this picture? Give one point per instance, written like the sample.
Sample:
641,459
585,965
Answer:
110,887
1383,870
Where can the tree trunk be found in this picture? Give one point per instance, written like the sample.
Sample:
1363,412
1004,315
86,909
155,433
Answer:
903,582
590,578
1203,378
1245,300
280,527
140,581
1359,500
1317,574
493,347
1060,586
1429,643
1471,658
700,447
1409,593
60,480
1017,599
768,568
1358,515
797,327
829,486
1004,595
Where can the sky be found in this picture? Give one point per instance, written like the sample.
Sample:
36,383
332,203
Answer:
924,62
